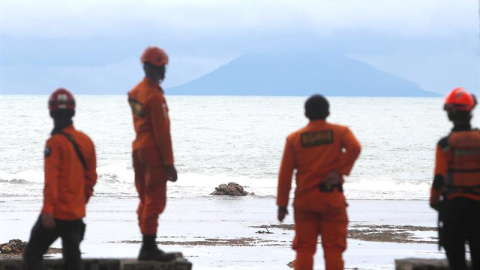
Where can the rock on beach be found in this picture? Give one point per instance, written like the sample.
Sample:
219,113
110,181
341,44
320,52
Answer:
230,189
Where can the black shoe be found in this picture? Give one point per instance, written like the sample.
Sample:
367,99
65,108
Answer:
156,255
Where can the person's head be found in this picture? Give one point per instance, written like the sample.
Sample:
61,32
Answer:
317,108
154,61
459,105
61,104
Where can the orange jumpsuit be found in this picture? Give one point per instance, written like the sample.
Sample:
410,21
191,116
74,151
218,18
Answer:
314,151
152,151
68,186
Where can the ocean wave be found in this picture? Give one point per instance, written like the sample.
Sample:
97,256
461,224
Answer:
118,182
109,178
15,181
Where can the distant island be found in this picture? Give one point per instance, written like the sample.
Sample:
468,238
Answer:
300,75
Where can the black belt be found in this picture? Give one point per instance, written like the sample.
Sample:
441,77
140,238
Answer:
323,187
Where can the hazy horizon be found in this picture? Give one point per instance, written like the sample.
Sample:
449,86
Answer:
91,45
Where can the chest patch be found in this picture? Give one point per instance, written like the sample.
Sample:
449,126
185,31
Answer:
137,107
311,139
47,152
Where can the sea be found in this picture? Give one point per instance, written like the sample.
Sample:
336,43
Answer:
222,139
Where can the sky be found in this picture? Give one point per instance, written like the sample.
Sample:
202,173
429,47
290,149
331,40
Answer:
93,46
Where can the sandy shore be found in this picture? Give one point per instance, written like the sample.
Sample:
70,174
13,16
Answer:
242,232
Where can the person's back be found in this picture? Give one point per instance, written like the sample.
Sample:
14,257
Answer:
64,169
317,150
320,153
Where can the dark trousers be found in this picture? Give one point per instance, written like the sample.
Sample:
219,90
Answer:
461,223
71,232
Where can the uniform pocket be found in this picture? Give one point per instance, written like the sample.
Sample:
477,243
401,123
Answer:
335,202
155,171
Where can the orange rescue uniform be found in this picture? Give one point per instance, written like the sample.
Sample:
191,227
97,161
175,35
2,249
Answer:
314,151
68,186
152,151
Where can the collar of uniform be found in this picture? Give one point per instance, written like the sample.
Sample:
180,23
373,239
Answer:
152,83
317,122
463,127
69,128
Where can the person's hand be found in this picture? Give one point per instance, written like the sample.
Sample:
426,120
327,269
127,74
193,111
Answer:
282,212
435,206
48,221
332,179
171,173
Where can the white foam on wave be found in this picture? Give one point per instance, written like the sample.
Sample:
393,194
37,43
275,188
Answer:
117,180
22,184
383,189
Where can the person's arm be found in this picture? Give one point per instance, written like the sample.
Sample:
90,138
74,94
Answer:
91,172
53,156
161,129
352,150
440,171
285,180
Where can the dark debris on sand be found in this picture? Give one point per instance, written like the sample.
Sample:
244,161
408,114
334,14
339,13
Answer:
276,226
15,248
390,233
376,233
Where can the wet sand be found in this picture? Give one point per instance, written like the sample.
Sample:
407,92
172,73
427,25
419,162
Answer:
241,232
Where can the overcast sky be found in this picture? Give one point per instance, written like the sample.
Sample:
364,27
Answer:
432,42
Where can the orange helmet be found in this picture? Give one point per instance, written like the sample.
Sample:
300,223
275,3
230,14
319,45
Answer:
155,55
459,99
61,99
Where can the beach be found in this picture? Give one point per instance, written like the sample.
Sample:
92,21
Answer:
241,232
218,140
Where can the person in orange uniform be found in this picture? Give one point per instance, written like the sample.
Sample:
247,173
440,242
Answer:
455,191
152,150
321,154
70,175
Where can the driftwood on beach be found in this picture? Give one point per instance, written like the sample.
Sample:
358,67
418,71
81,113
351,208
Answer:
230,189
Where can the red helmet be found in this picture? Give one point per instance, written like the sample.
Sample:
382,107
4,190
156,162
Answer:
61,99
459,99
155,55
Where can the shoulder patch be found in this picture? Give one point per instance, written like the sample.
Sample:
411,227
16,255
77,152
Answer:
311,139
443,143
47,152
137,107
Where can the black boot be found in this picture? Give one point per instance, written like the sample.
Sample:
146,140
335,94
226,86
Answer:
151,252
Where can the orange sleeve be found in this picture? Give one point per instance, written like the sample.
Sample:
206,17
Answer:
441,161
352,151
285,175
441,168
161,128
91,172
53,156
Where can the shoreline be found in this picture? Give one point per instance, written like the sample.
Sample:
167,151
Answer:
201,228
